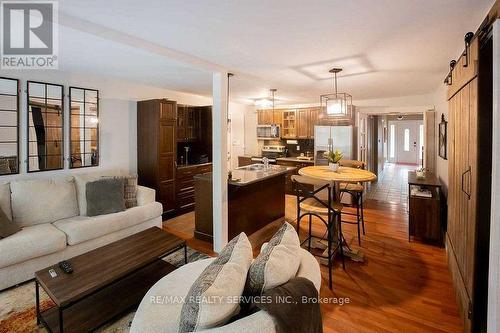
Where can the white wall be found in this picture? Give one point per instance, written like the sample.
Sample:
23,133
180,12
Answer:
118,117
243,132
441,107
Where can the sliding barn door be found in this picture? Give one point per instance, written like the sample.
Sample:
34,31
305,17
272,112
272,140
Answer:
462,197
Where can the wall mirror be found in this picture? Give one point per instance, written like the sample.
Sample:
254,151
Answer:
45,126
84,129
9,126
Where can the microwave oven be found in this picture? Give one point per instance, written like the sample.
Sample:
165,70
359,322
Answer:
268,132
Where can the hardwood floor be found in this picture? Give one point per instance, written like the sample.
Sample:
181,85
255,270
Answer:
400,287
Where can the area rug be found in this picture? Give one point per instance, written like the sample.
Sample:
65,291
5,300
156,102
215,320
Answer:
17,304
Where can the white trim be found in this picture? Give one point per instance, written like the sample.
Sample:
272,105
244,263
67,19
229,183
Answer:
494,272
219,163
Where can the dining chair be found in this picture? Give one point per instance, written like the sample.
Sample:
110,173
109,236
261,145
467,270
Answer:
329,212
355,190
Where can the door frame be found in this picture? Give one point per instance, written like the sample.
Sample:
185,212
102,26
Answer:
417,134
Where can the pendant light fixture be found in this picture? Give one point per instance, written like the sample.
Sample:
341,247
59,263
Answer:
336,104
266,102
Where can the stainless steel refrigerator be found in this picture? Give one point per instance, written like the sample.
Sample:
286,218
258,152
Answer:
332,138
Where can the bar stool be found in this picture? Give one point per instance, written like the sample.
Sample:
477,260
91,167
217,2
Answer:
309,204
356,191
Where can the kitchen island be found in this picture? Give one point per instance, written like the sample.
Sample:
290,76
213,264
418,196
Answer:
256,198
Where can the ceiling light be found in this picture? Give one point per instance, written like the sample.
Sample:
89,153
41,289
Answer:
336,104
266,102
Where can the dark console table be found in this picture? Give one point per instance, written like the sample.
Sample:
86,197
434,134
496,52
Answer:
425,212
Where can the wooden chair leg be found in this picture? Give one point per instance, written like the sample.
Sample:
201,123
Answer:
358,219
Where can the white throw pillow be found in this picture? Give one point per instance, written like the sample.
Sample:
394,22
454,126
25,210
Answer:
81,190
213,297
43,201
277,262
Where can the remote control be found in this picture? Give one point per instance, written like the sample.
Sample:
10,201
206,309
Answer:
66,267
52,273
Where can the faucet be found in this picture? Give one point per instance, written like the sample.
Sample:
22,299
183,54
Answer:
265,160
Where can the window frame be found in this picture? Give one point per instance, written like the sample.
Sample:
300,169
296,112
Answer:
46,84
98,138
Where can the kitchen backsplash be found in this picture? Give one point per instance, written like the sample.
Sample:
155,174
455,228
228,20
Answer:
302,146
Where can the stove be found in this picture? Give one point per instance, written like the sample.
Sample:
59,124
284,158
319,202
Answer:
272,153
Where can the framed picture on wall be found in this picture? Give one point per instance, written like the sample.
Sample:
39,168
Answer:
443,136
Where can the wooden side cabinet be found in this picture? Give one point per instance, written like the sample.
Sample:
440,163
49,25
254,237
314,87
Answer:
156,149
425,209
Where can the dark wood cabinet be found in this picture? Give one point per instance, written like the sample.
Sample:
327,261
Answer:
244,160
188,123
156,149
288,179
184,185
302,123
425,213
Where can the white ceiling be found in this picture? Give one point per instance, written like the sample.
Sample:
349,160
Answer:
389,48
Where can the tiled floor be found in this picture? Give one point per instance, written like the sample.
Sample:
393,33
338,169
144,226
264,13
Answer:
392,184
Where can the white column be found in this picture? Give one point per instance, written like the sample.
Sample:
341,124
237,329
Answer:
219,163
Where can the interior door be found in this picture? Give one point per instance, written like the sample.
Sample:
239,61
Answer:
407,142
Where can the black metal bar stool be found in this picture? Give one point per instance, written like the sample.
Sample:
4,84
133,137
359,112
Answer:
355,190
310,204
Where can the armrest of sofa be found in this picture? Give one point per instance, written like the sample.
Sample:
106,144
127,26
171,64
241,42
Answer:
145,195
260,321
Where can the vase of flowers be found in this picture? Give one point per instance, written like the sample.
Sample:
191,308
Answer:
333,159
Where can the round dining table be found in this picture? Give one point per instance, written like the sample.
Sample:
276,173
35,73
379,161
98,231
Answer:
342,175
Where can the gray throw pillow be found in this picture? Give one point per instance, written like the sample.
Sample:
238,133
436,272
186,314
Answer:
105,196
7,227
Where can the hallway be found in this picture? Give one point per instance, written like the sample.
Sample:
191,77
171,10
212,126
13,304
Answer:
392,184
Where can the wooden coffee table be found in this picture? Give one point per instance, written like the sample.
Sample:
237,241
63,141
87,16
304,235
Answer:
106,281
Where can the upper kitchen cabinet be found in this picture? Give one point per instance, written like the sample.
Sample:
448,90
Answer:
289,128
313,121
265,117
188,123
270,117
302,123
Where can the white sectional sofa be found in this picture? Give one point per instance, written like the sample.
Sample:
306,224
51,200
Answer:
53,228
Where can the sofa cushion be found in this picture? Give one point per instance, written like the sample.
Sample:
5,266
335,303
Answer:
31,242
83,228
160,309
105,196
5,200
210,301
7,227
42,200
277,262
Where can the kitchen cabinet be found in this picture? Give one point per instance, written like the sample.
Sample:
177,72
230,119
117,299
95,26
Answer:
184,185
188,123
244,160
265,117
303,123
289,129
156,149
269,117
313,121
297,165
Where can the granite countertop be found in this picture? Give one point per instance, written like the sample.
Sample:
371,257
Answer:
247,175
295,159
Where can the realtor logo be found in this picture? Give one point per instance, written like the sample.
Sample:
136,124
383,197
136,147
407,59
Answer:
29,35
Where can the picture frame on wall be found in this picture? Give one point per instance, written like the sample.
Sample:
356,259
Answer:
443,138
